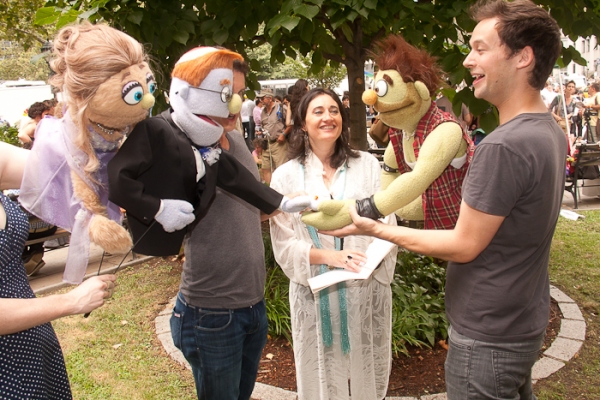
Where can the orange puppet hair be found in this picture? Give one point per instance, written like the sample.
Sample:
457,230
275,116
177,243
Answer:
197,63
393,52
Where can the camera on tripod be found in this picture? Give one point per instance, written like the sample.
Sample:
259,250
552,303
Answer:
588,112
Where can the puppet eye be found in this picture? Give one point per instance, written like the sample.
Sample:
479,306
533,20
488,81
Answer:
226,94
381,88
132,93
151,83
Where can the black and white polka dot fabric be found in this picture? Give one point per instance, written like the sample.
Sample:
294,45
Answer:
31,361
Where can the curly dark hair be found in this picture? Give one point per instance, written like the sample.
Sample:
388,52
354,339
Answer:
37,109
297,91
296,149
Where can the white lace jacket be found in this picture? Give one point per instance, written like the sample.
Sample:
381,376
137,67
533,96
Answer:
323,373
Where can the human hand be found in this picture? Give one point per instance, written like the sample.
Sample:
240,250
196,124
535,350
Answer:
281,138
350,260
332,214
359,226
175,215
91,294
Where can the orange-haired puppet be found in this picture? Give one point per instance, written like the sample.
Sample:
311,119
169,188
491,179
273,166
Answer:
429,152
168,168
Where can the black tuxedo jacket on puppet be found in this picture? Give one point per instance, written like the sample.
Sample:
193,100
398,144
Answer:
157,162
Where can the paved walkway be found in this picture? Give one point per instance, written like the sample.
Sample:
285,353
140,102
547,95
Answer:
565,346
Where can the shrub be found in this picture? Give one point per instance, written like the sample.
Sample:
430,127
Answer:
418,310
9,134
276,294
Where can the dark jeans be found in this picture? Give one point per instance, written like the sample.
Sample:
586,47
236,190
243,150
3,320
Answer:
481,370
222,346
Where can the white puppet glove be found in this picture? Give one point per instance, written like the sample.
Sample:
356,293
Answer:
174,215
298,203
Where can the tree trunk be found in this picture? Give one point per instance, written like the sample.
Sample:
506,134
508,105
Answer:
358,122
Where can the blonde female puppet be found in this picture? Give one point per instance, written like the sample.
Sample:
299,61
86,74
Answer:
107,87
428,154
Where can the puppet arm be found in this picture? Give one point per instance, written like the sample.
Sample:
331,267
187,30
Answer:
390,170
108,234
237,180
174,214
441,146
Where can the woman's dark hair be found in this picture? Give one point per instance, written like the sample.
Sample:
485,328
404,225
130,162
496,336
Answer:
297,92
342,149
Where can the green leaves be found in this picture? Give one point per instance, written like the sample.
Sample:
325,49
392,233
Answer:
306,11
46,16
418,309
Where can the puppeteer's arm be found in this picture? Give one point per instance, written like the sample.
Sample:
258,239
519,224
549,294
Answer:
473,233
12,165
19,314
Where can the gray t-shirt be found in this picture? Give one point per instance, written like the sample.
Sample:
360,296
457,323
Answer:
518,171
224,254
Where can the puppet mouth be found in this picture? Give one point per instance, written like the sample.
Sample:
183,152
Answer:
390,108
207,119
109,130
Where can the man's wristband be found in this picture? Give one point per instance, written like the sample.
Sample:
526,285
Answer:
366,208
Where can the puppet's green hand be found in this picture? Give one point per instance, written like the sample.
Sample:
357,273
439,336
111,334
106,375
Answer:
332,214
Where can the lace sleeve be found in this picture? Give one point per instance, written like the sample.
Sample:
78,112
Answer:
291,245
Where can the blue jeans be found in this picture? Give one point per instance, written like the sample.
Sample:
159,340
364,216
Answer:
222,346
481,370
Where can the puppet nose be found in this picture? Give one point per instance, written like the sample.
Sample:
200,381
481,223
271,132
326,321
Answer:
235,104
147,101
369,97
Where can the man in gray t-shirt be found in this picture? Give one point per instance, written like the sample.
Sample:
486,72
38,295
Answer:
497,290
219,321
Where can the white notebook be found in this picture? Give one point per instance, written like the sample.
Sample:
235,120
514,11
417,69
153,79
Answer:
376,251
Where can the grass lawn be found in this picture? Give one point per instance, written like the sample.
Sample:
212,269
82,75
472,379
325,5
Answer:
114,354
575,269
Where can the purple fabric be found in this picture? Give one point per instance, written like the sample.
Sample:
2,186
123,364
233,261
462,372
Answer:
47,190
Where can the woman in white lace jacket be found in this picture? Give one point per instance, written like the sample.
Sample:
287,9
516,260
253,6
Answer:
341,334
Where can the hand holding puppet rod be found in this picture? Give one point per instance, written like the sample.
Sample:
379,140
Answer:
429,152
107,88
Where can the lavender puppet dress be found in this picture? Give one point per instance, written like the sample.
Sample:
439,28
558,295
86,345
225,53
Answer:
47,189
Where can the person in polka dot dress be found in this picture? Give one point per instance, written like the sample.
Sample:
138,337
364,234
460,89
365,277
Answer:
31,360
